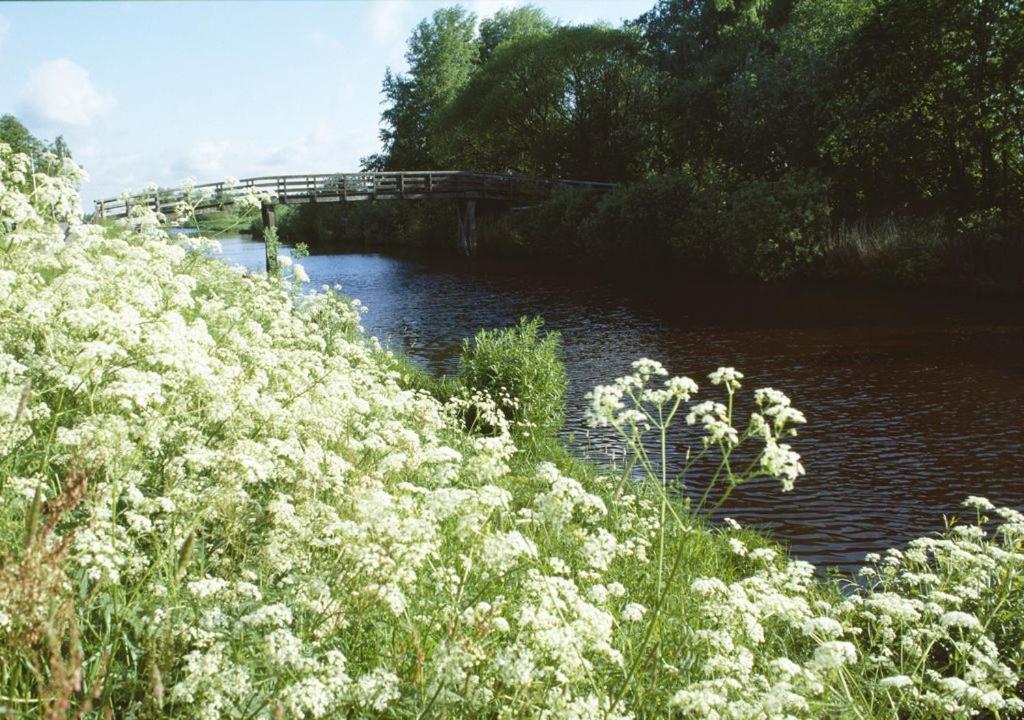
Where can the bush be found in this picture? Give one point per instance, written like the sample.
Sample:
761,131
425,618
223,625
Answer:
992,247
904,251
634,223
521,368
331,226
552,228
777,228
770,229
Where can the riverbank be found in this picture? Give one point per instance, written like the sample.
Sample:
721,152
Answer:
576,230
223,222
220,499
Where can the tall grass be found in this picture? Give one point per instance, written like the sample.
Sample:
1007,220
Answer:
521,369
919,252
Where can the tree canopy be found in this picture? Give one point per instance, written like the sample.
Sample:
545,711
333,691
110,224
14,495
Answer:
777,120
14,133
442,53
902,105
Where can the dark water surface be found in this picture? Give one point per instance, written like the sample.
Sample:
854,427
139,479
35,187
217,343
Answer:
913,401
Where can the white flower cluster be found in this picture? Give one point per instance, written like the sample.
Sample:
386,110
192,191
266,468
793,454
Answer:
931,619
266,494
266,523
633,409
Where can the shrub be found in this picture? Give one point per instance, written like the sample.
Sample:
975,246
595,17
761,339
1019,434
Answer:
770,229
904,251
521,368
634,223
777,228
552,228
326,226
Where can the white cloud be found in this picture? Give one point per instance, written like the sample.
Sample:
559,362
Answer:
386,24
206,159
316,150
321,149
60,91
389,23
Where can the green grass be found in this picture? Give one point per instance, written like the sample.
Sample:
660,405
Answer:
222,222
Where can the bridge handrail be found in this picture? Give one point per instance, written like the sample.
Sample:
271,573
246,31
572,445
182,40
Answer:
355,185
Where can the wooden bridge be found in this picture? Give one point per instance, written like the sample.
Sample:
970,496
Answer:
467,188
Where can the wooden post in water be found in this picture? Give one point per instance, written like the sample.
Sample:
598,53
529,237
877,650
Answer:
267,215
471,227
466,214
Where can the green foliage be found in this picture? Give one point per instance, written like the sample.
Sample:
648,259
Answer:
227,221
785,120
326,227
929,107
775,229
572,102
442,53
550,229
271,246
15,134
765,229
21,140
915,252
521,368
636,224
511,24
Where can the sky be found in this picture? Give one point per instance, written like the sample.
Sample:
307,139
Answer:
162,91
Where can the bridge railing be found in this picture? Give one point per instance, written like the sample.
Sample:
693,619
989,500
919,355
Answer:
341,187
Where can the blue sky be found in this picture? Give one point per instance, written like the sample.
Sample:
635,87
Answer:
161,91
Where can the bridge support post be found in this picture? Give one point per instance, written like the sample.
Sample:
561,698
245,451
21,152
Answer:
269,243
466,214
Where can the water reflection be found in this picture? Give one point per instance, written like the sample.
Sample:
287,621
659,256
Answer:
914,401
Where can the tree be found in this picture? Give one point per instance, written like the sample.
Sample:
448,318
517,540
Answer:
929,109
511,24
15,134
60,148
704,50
777,101
442,54
574,102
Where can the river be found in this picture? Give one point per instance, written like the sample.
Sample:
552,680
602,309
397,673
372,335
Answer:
913,400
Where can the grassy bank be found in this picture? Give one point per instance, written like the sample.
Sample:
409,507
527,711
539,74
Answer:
219,500
224,222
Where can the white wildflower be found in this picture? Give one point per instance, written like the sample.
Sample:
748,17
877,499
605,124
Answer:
959,619
633,612
834,654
